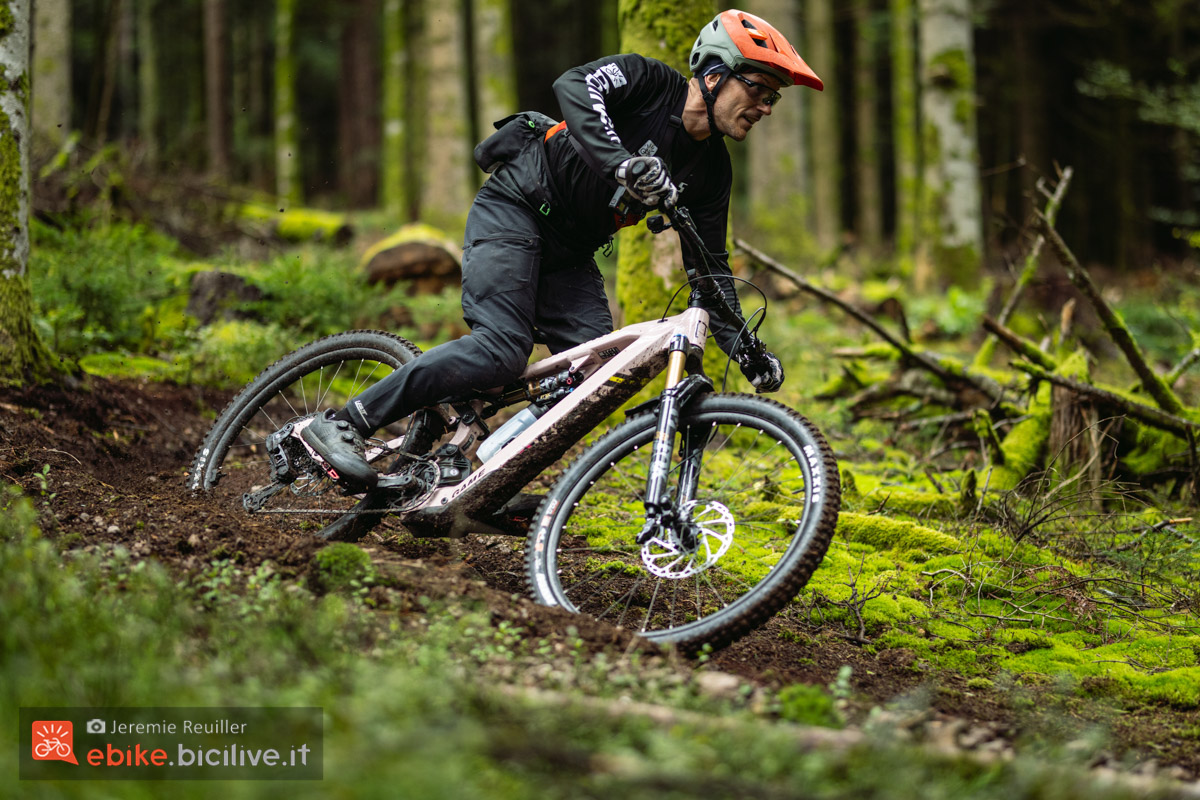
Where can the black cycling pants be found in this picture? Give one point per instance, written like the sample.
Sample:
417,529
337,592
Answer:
518,290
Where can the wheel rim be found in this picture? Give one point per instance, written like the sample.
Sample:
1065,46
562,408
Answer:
752,504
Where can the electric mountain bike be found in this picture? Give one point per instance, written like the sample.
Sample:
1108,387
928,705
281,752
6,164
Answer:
692,521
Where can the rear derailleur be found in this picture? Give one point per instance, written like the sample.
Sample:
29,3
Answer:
408,480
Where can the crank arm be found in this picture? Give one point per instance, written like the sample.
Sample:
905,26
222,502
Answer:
254,501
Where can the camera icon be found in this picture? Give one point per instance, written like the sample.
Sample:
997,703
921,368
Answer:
95,726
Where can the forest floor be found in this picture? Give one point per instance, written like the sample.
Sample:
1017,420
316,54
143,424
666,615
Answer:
105,465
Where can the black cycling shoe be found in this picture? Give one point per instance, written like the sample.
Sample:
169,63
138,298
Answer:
342,446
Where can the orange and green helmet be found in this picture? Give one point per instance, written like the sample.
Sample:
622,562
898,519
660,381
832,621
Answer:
746,43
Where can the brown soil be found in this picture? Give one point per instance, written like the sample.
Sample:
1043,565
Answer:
117,455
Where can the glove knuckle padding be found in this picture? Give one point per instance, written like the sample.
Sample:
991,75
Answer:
652,182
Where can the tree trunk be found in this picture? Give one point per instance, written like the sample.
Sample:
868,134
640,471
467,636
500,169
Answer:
495,92
126,85
825,137
647,270
393,169
257,105
552,37
287,144
780,201
448,180
951,224
104,78
358,105
906,152
148,82
1030,100
51,74
216,88
869,206
22,354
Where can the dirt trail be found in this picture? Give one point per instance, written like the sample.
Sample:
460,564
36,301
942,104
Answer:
106,463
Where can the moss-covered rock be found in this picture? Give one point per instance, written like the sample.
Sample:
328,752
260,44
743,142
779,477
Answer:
885,533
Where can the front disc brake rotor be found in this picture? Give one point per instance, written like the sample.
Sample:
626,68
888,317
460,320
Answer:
666,557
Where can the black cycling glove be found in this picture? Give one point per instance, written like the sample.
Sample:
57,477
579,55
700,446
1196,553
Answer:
647,180
760,366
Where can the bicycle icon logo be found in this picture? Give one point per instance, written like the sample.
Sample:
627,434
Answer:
54,740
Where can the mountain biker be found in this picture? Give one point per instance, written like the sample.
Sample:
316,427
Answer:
636,133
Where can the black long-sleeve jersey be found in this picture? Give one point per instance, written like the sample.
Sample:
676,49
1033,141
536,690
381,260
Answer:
626,105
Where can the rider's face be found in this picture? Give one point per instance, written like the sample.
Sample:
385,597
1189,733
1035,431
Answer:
739,105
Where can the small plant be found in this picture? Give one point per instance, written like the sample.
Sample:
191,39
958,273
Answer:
344,567
43,479
809,705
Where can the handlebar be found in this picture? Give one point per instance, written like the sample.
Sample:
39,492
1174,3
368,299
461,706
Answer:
703,283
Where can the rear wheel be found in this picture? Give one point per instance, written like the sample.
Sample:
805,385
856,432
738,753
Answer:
325,374
758,524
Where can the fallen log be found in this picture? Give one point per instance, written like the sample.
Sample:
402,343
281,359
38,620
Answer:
1018,344
297,224
953,375
1155,417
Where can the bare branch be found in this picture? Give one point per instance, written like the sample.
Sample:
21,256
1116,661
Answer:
1154,385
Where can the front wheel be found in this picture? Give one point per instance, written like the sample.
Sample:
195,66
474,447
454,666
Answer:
756,524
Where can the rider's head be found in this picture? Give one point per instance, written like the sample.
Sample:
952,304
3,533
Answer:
735,43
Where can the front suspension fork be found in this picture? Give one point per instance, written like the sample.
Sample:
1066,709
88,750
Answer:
660,506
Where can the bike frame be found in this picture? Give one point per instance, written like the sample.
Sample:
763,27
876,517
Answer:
617,365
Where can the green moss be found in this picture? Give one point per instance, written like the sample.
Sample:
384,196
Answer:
911,502
22,353
1152,450
809,705
343,566
1025,445
1116,667
300,224
122,366
893,534
663,29
953,69
849,483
